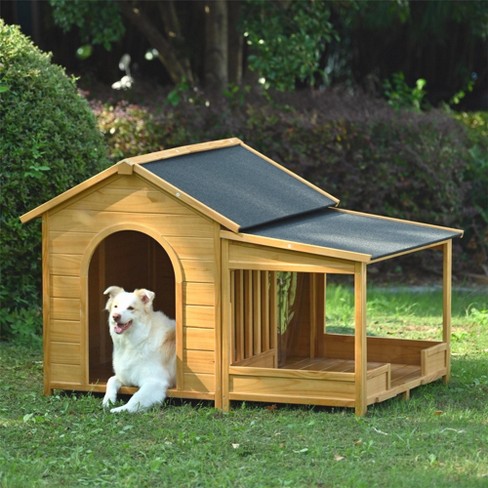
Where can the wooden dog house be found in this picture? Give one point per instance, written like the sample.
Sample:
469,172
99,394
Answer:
237,249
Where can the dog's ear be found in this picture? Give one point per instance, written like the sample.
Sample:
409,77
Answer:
146,296
112,291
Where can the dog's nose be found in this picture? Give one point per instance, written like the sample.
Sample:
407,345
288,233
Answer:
116,317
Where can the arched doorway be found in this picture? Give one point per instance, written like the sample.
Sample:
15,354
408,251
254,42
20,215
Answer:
130,259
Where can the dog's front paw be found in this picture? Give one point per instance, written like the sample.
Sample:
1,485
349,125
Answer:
113,385
123,408
129,407
107,400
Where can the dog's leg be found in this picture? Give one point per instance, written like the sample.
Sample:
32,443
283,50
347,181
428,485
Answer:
113,386
151,393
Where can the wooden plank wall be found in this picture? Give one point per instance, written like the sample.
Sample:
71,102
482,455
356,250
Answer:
254,318
129,202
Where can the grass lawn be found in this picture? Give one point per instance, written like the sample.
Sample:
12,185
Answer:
438,438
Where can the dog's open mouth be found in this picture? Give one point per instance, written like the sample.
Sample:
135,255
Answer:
120,328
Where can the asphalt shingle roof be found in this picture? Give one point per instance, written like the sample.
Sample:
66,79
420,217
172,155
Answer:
240,185
366,234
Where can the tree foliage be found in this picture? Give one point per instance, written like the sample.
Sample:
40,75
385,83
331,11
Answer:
287,41
163,26
98,21
304,42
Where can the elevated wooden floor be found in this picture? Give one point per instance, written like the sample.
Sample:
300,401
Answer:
400,373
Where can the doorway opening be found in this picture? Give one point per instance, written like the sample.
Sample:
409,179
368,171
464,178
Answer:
129,259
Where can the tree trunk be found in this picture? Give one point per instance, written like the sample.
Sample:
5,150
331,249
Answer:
172,27
178,69
216,45
236,43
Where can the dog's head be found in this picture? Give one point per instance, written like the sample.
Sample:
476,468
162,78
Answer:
126,308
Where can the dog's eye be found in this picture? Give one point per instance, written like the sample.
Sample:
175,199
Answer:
130,308
115,306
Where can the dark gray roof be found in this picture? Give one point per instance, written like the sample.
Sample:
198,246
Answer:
266,200
240,185
367,234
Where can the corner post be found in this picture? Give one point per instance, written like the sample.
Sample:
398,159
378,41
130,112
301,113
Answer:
360,343
446,304
46,307
225,323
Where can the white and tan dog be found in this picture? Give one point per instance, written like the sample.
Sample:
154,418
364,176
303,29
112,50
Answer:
144,353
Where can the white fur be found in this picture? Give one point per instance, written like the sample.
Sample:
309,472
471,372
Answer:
144,349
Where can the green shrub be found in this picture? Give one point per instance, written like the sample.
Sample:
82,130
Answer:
128,129
404,165
132,129
23,325
49,142
400,95
476,175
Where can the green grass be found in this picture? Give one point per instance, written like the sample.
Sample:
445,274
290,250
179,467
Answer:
439,438
407,312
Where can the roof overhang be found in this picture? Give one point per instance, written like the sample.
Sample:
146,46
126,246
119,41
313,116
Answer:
348,235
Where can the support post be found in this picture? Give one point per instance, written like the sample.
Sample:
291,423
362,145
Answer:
226,324
360,344
446,304
46,307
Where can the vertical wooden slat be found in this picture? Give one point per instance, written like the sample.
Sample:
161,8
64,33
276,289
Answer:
446,303
314,298
238,313
265,310
248,328
273,315
233,324
253,312
360,348
256,312
324,325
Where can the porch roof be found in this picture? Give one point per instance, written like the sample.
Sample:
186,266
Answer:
363,234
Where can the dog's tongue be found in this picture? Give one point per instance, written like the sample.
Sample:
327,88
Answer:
119,328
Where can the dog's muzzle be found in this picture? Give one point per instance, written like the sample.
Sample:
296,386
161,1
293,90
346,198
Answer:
121,328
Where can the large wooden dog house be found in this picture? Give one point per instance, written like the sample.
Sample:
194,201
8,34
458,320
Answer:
237,249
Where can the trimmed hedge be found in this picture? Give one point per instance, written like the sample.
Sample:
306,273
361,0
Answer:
49,141
476,198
